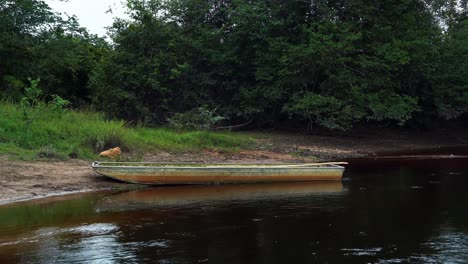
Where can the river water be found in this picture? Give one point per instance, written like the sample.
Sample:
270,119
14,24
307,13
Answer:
383,212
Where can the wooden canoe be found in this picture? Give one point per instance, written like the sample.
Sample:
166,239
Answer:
197,173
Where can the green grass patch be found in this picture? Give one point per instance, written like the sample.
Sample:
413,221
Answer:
83,134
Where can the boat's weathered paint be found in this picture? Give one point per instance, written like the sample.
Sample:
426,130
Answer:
160,174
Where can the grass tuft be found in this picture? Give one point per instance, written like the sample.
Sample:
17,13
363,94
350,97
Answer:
50,153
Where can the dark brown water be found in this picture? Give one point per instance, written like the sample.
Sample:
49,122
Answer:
394,212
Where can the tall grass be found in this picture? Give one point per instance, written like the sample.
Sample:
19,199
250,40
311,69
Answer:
83,134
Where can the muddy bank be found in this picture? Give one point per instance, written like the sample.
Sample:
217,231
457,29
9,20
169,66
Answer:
21,180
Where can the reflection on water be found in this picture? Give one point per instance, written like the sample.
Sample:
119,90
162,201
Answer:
382,215
191,195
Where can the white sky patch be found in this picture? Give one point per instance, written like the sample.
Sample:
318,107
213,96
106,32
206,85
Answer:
91,14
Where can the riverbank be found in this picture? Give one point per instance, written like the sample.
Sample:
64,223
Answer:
22,180
45,132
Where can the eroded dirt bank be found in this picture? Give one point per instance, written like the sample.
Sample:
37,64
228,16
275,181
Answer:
20,180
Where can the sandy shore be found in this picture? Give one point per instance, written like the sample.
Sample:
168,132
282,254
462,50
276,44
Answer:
20,180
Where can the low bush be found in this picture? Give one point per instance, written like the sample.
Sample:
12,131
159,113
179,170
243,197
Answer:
200,118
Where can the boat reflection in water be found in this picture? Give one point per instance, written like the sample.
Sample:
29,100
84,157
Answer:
192,194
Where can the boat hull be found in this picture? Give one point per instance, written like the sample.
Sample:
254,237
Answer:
220,174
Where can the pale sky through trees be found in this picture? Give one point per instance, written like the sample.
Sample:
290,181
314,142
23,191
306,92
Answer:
91,13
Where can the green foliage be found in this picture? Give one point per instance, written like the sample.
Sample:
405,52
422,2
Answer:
84,134
12,88
325,111
58,104
29,102
32,94
200,118
35,41
450,81
332,63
